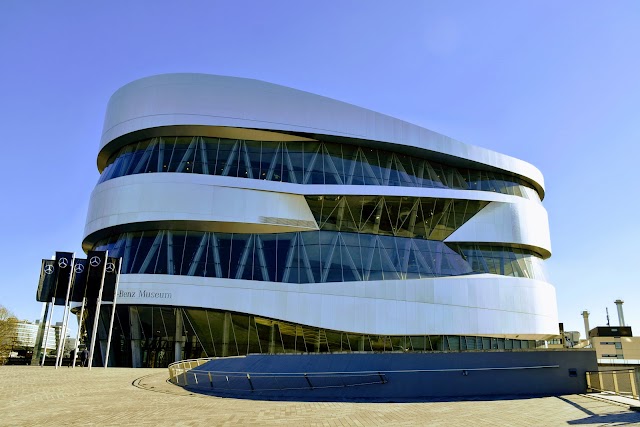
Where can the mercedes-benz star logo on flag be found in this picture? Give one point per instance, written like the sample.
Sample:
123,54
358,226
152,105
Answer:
79,268
94,261
63,263
111,267
48,269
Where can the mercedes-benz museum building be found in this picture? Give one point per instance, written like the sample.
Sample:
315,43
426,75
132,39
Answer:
256,218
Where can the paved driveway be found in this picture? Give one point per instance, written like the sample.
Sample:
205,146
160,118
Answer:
119,396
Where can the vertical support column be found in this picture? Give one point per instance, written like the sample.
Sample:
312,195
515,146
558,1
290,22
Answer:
272,339
226,324
600,381
178,336
634,384
136,336
616,388
361,343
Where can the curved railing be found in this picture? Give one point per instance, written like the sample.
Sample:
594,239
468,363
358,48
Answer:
185,374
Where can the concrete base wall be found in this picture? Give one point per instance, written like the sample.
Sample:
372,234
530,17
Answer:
395,376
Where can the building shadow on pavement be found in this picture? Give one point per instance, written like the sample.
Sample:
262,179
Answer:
623,417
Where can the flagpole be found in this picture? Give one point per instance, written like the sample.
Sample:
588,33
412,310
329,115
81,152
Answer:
46,329
65,327
65,324
113,312
97,315
65,314
37,348
75,353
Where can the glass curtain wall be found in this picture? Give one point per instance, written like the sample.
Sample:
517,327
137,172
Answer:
145,336
312,257
304,163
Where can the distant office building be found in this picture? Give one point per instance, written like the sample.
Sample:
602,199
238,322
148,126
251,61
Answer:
615,345
256,218
26,332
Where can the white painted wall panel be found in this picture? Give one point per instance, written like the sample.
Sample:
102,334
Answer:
140,198
520,221
524,307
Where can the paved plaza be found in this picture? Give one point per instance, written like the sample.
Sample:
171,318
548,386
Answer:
34,396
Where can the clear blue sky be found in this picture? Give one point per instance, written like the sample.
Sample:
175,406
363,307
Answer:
556,84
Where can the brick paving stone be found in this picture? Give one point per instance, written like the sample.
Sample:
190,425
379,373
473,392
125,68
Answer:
34,396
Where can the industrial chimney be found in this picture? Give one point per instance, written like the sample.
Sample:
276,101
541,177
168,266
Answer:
619,303
585,315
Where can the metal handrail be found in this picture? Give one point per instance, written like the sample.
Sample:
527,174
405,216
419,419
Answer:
182,371
615,381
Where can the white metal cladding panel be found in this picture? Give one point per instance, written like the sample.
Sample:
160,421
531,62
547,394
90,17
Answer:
487,305
519,222
199,99
138,198
181,196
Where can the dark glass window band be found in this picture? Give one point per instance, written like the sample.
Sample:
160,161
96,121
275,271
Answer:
399,216
303,162
214,333
311,257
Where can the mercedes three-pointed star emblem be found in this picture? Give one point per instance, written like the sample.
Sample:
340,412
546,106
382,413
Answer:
95,261
79,268
48,269
63,263
111,267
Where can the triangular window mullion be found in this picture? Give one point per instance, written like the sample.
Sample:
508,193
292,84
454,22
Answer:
198,255
368,263
352,264
305,261
141,167
189,154
387,170
245,255
385,254
352,168
203,156
329,258
366,167
293,248
247,160
274,162
231,160
311,165
262,259
332,167
161,167
291,172
421,259
374,213
150,255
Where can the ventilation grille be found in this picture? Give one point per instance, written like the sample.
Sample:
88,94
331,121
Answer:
288,222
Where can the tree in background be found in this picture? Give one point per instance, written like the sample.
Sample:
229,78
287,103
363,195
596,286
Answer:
7,333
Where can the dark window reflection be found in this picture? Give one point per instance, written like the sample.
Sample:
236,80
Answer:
303,163
308,257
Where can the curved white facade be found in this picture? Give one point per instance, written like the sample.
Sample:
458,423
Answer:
232,195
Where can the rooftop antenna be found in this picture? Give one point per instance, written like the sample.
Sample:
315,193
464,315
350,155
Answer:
607,308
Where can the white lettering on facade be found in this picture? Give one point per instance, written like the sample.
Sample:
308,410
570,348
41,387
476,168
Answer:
144,294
